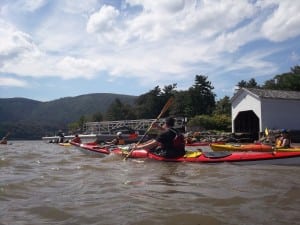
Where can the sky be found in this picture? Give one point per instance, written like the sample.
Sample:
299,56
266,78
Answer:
50,49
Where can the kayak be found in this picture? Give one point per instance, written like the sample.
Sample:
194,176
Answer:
250,157
107,149
258,147
241,147
291,149
92,148
278,158
65,144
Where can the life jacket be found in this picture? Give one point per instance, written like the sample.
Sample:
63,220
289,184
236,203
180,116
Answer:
178,141
121,142
77,140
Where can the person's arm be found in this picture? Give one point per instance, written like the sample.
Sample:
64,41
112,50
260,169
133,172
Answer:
113,142
148,145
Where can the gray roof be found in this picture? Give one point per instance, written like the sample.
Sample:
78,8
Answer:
275,94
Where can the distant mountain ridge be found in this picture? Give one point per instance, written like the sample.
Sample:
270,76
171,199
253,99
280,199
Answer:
50,115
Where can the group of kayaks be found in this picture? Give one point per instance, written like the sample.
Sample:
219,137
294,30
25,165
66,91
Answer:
238,154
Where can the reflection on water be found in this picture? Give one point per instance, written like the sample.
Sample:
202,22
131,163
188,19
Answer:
49,184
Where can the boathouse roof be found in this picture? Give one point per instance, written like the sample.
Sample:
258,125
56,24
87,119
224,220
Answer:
271,94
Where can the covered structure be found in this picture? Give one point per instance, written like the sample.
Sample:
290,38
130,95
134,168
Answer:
254,110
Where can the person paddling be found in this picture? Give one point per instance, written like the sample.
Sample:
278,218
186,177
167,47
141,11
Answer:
76,139
163,144
283,141
4,139
119,140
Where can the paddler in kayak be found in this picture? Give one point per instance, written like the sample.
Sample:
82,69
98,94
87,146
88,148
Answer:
76,139
3,141
167,143
283,141
119,140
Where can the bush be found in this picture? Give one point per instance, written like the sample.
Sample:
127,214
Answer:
215,122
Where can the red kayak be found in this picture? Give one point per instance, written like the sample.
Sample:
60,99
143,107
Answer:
284,158
92,148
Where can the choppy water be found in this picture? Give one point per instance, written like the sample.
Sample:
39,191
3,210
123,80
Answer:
44,183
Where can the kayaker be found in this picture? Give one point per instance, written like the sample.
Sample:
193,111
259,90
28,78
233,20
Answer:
164,143
119,140
76,139
61,136
3,141
283,141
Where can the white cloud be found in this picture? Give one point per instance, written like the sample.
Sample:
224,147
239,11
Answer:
16,42
11,82
284,23
77,68
103,21
153,41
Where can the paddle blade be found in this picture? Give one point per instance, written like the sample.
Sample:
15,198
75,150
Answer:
266,132
166,107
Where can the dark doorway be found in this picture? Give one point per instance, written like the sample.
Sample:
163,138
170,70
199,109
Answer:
247,122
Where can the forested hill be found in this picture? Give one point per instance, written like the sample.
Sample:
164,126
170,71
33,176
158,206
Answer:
24,117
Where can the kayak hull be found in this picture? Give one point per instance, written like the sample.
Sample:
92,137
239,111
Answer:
242,147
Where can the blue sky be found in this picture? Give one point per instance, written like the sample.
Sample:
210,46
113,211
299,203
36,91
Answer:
51,49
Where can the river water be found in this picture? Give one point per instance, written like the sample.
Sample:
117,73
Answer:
44,183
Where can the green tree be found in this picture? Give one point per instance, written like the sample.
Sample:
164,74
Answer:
97,117
223,106
201,98
179,107
119,111
242,84
287,81
248,84
82,120
149,105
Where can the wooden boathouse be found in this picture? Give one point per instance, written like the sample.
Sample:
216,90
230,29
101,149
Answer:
254,110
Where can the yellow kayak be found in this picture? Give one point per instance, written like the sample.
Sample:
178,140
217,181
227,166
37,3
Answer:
257,147
64,144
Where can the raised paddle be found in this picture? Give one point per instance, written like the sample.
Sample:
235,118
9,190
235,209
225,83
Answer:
164,109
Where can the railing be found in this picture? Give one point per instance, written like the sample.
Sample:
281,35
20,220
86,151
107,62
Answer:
109,127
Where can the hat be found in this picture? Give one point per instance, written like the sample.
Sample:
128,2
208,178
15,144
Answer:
119,133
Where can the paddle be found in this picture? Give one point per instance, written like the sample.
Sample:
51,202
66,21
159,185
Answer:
164,109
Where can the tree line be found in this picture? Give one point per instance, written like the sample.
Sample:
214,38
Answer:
198,103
